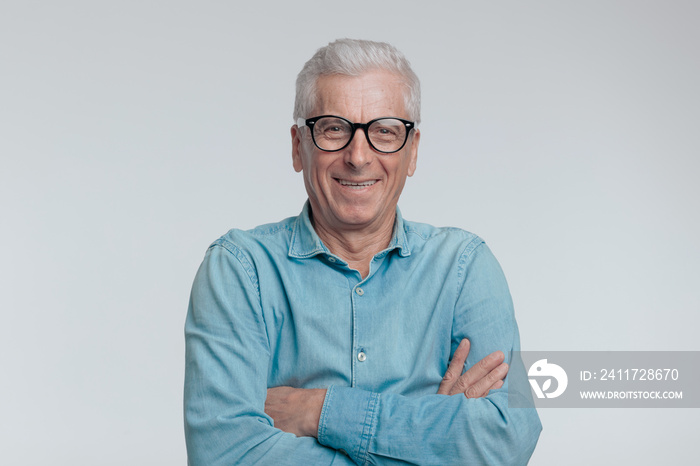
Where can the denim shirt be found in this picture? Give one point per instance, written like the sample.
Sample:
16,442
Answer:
273,306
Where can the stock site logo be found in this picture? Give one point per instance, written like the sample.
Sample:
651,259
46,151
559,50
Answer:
543,370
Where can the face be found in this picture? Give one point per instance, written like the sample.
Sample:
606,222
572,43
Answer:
356,188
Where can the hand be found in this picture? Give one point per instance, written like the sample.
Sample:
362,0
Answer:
295,410
485,375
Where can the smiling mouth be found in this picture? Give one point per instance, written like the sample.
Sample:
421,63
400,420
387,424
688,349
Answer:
355,185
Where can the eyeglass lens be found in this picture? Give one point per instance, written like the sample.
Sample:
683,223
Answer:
385,134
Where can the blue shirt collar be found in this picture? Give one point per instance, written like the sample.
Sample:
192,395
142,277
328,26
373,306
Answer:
305,242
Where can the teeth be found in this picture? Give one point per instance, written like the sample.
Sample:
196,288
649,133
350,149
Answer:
361,185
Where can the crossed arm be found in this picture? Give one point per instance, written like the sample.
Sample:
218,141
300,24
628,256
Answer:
298,410
231,417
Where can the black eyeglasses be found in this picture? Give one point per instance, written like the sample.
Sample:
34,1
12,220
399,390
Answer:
332,133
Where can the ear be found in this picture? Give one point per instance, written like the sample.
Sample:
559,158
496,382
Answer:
413,152
296,148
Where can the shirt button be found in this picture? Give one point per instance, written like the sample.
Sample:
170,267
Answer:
331,259
359,291
361,356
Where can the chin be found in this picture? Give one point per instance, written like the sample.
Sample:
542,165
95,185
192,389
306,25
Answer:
355,220
358,221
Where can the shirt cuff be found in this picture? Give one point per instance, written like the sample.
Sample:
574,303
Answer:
348,421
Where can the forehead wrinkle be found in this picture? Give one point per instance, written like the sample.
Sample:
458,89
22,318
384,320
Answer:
361,99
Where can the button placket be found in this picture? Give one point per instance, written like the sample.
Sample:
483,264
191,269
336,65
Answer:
359,358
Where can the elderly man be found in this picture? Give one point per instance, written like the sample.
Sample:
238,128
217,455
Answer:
340,336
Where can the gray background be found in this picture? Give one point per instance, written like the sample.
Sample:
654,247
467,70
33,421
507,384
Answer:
132,134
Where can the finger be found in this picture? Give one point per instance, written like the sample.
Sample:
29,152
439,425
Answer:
477,372
482,387
455,368
495,386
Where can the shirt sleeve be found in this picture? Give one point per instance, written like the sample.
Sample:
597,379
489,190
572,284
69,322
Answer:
227,359
385,428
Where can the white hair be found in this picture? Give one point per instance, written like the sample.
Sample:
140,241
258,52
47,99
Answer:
350,57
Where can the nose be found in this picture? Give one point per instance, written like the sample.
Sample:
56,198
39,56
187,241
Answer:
358,153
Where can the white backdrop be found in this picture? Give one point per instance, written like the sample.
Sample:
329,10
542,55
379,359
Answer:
132,134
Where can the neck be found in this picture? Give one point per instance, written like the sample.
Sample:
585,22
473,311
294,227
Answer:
356,247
